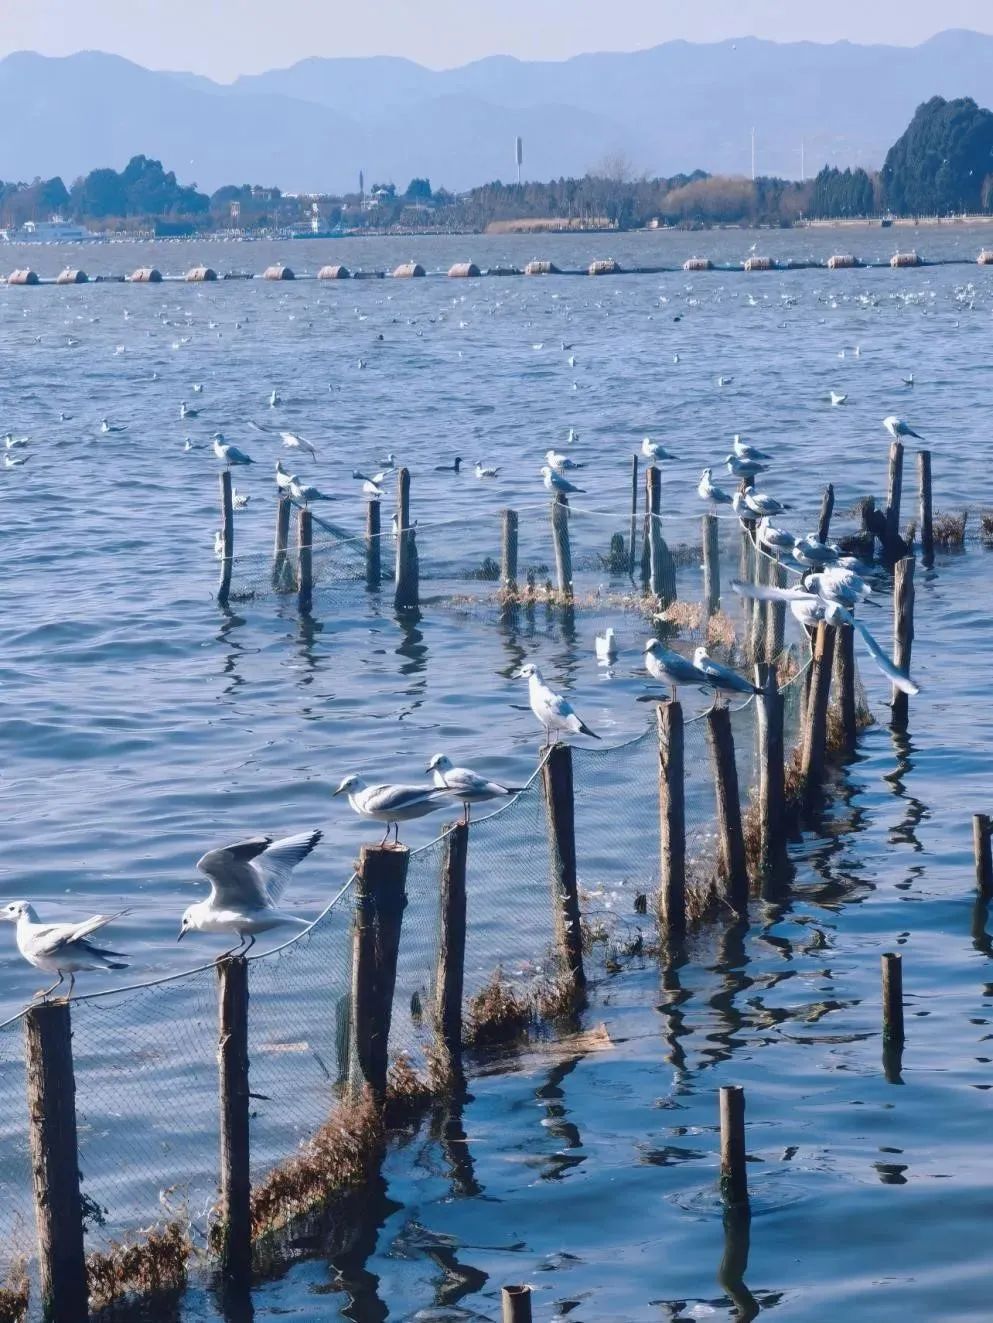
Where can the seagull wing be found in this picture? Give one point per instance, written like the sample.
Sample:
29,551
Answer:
464,781
388,798
276,863
893,673
50,939
769,593
234,881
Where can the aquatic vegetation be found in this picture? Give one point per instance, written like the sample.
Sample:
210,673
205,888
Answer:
15,1293
149,1263
949,529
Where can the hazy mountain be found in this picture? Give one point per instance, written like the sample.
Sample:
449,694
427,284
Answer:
676,107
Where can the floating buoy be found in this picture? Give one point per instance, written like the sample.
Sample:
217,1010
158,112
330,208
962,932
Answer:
698,264
277,272
408,270
463,271
334,272
71,276
23,276
759,264
197,273
604,266
905,259
146,275
985,258
841,261
537,268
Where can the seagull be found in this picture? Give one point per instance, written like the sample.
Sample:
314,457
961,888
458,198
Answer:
669,666
654,449
720,677
228,452
284,480
898,427
186,412
571,436
465,784
61,948
376,478
756,505
370,488
218,544
554,482
391,804
909,380
198,388
708,492
605,646
812,551
275,399
554,711
12,442
773,538
301,491
247,880
837,585
746,452
454,467
485,470
725,381
743,468
836,398
14,461
239,499
390,462
106,426
294,442
559,462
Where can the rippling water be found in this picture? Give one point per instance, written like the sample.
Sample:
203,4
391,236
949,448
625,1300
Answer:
140,725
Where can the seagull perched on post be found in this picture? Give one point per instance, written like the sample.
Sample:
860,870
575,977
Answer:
305,493
228,452
559,462
669,666
752,505
465,784
721,678
654,450
744,468
554,482
61,948
708,492
898,427
391,804
554,711
284,480
247,880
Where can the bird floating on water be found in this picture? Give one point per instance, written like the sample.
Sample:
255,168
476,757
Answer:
605,646
464,784
898,427
837,398
485,470
391,804
239,499
14,461
106,426
454,467
275,399
61,948
553,710
186,412
12,442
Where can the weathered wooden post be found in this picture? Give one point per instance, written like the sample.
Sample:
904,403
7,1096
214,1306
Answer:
560,537
227,538
772,782
305,562
508,552
406,596
844,688
815,724
903,632
515,1304
775,614
373,546
755,641
451,950
982,849
734,1176
894,492
827,510
380,900
560,804
892,982
283,507
632,549
672,819
733,866
711,564
926,508
235,1223
51,1088
653,498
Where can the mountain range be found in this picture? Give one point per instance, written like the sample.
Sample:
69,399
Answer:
312,127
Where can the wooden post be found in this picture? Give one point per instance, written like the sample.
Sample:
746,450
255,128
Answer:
844,687
632,549
227,535
775,615
556,776
373,547
283,506
892,971
406,596
815,725
560,536
982,849
380,899
711,564
516,1304
734,871
894,491
903,632
772,781
508,552
451,948
653,497
926,508
827,510
305,562
232,1061
734,1177
51,1088
755,640
672,819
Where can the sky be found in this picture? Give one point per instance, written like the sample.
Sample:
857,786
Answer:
223,38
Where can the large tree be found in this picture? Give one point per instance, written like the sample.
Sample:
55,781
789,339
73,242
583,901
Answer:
941,162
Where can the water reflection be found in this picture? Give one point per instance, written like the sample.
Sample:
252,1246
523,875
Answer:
905,832
731,960
557,1164
360,1225
734,1263
227,636
675,996
448,1129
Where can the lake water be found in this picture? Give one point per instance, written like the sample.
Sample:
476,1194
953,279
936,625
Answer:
141,725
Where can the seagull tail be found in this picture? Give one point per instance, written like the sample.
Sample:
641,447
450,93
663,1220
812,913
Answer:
916,435
585,730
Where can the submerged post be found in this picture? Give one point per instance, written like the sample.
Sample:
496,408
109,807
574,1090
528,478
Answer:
373,547
508,552
632,549
827,510
672,819
560,537
711,564
926,508
380,900
982,849
892,972
734,1176
894,492
406,596
232,1061
733,867
283,506
556,776
772,781
451,949
51,1088
515,1304
844,688
903,632
815,724
305,562
227,538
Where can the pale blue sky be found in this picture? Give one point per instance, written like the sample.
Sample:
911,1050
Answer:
223,38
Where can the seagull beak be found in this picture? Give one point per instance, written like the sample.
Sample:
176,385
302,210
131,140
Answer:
336,792
182,934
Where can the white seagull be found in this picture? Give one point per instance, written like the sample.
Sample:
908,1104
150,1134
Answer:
391,804
61,948
554,482
898,427
605,646
186,412
720,677
305,493
228,452
14,461
12,442
669,666
275,399
559,462
750,454
485,470
837,398
284,480
754,505
247,880
773,538
294,442
654,449
708,492
106,426
465,784
239,500
553,710
744,468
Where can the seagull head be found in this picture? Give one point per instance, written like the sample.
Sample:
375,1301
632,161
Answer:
349,785
187,923
545,471
653,646
440,763
700,656
17,909
526,671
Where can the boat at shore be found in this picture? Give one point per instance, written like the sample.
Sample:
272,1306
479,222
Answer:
55,230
